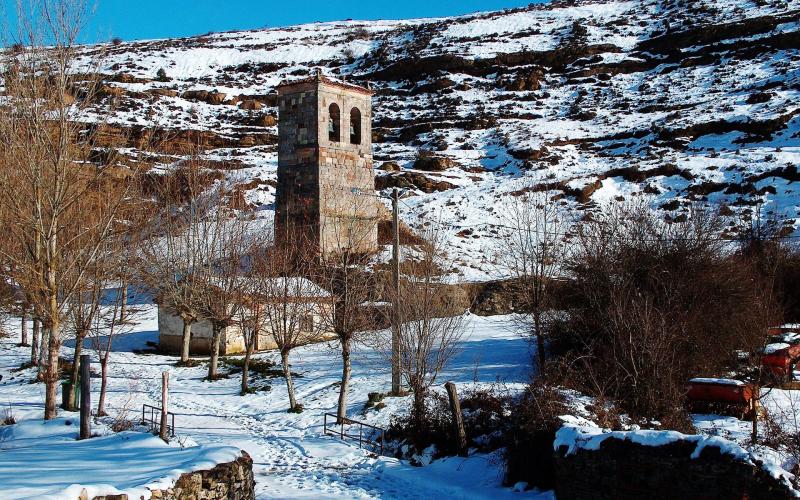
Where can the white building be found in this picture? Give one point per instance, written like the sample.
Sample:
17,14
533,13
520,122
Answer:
313,301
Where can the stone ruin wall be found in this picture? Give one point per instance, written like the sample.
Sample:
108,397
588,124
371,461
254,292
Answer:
228,481
623,470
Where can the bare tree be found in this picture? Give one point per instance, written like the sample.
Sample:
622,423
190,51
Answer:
430,333
83,310
251,322
342,270
289,306
46,163
533,253
108,325
220,295
175,245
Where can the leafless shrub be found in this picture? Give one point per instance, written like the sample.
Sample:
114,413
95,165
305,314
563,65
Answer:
654,304
125,417
534,252
429,332
530,434
8,416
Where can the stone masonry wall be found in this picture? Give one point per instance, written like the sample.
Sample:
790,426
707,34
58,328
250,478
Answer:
325,193
228,481
623,470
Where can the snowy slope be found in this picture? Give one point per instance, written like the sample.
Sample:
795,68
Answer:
679,101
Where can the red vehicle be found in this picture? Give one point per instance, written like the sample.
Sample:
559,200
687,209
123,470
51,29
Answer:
782,354
779,330
781,359
722,396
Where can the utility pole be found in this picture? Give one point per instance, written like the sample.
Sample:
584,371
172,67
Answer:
163,431
396,372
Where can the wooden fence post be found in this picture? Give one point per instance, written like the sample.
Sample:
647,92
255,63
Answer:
458,419
164,431
86,397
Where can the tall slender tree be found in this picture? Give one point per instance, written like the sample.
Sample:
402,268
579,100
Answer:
47,164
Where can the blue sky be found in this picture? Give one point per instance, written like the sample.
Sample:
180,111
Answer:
141,19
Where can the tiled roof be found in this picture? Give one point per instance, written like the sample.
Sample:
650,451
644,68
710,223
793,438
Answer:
333,82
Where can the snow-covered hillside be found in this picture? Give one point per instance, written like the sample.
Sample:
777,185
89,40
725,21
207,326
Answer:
676,100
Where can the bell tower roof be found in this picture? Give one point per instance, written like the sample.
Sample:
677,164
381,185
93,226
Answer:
289,85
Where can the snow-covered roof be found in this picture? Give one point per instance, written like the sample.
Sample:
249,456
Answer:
776,347
304,286
299,286
719,381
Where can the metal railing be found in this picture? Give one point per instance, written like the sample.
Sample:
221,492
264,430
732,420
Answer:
337,428
154,419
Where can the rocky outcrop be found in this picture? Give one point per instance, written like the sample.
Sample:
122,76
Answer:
205,96
412,180
177,141
495,297
433,163
524,81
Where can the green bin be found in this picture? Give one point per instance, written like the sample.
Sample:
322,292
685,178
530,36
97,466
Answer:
65,395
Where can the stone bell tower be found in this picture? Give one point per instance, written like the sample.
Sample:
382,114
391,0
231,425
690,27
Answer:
326,187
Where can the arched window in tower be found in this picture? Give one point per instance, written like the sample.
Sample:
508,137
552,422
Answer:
334,123
355,126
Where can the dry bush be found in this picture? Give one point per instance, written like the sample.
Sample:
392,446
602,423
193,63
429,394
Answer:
654,304
8,416
486,421
529,437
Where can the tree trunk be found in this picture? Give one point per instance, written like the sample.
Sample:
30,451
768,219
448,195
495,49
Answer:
44,350
537,322
187,337
51,374
101,401
73,377
346,369
123,308
216,333
419,410
24,339
287,373
35,343
246,366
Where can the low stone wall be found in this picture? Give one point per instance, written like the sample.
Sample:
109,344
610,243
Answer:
621,469
228,481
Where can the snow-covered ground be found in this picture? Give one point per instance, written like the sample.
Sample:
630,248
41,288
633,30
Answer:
292,457
42,459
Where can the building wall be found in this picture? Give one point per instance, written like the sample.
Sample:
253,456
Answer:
315,199
170,334
347,218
